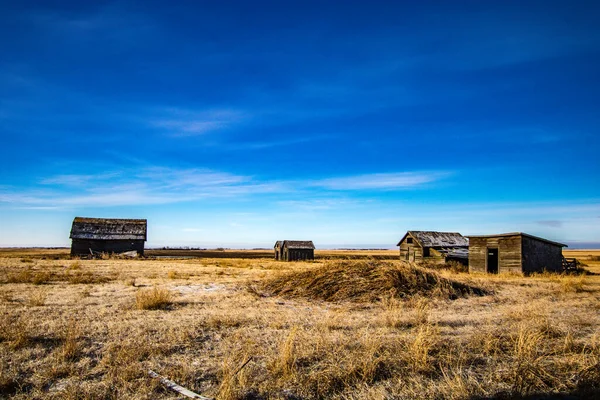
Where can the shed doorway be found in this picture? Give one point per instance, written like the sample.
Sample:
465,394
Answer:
492,261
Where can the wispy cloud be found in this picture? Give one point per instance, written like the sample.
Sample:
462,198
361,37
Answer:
181,123
161,185
77,180
385,181
551,223
147,186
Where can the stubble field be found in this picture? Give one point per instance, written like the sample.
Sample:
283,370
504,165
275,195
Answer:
353,324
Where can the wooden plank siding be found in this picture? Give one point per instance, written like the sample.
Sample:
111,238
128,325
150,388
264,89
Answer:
517,252
541,256
277,248
477,254
411,251
298,254
83,246
509,253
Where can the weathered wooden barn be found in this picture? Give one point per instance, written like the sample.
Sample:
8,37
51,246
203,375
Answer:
295,250
514,252
418,246
105,235
278,249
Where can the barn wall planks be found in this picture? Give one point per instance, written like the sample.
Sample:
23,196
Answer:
298,254
83,246
518,252
541,256
477,254
509,254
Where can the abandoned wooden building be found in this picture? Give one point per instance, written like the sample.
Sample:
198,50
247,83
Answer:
104,235
294,250
418,246
514,252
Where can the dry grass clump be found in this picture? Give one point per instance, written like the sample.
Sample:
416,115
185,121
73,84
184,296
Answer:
153,299
29,276
572,283
367,280
16,333
71,344
37,299
82,278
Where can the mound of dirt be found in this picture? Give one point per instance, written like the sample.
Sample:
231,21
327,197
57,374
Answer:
366,280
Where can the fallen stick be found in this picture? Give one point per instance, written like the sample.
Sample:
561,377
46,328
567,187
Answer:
179,389
242,366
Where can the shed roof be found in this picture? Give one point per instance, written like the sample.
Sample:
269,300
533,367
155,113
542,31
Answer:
455,252
519,234
109,229
278,243
437,239
298,244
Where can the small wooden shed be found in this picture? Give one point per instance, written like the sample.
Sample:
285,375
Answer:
514,252
296,250
416,246
107,235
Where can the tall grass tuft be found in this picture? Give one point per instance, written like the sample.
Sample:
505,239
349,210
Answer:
71,344
153,299
37,299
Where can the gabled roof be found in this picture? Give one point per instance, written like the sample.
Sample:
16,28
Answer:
519,234
108,229
278,243
437,239
298,244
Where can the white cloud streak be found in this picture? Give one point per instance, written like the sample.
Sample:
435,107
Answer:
160,185
182,123
383,181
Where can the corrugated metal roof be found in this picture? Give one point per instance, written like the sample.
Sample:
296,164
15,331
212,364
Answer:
437,239
455,252
109,229
298,244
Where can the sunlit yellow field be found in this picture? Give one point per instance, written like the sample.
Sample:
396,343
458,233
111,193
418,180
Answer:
250,328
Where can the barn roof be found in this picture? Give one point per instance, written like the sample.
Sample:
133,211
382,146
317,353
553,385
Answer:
109,229
278,243
437,239
519,234
298,244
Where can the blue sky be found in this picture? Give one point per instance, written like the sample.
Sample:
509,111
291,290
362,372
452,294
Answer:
239,123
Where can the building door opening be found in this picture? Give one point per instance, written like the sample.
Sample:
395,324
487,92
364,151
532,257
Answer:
492,261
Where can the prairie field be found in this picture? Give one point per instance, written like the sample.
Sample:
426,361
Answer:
239,325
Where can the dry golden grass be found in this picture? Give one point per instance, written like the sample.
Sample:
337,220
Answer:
153,299
345,329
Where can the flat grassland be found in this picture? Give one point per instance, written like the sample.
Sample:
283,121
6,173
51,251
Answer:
235,325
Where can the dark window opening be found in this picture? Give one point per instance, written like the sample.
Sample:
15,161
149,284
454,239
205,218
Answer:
425,251
409,240
492,261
